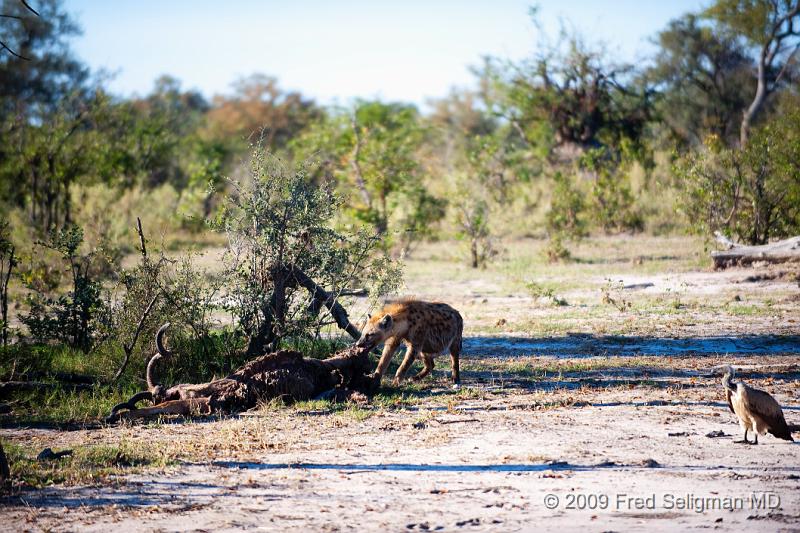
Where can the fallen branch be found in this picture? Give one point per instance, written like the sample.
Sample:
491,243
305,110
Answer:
784,251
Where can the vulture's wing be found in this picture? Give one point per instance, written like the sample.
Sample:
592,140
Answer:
765,406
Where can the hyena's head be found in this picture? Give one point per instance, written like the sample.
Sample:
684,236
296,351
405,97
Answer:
377,330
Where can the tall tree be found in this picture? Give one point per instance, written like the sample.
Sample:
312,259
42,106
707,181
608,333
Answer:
261,111
704,79
570,92
772,29
44,70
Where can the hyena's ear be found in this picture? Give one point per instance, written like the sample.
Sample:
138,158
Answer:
386,322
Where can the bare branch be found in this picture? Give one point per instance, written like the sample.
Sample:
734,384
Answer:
12,52
28,6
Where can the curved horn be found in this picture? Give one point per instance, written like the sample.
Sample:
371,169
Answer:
160,341
162,352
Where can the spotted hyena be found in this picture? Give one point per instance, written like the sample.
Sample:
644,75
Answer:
427,328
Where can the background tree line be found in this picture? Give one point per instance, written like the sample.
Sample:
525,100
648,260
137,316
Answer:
615,130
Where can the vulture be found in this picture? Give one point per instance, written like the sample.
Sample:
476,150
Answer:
757,411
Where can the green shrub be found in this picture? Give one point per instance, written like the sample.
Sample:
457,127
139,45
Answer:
71,318
752,194
611,204
278,225
566,218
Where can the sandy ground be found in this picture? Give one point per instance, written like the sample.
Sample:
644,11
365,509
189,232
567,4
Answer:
617,455
618,444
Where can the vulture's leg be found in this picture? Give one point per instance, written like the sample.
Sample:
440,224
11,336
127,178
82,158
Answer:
744,440
755,441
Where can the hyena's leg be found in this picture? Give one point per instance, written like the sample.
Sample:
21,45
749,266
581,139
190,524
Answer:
408,360
428,362
386,357
455,352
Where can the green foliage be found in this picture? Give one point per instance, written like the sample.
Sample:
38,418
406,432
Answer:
473,221
280,222
372,155
754,20
566,215
753,194
565,219
423,211
611,203
71,318
36,85
705,80
8,261
570,93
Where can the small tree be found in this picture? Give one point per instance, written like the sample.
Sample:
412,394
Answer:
281,244
7,263
473,221
71,317
565,218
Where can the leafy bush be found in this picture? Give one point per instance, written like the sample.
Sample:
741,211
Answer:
753,194
279,224
565,220
611,203
71,318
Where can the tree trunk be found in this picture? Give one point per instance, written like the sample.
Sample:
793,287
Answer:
755,106
291,277
5,472
4,296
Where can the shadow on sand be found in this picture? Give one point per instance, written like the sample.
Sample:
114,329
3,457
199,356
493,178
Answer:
588,345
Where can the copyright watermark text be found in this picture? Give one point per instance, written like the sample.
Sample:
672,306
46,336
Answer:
698,503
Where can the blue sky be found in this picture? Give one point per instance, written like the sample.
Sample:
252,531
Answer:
334,51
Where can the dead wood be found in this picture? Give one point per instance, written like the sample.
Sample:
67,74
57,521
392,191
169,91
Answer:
285,374
290,276
784,251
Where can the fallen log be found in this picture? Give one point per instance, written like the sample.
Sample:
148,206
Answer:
784,251
284,374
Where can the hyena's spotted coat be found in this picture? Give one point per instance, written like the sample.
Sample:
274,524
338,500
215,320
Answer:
427,328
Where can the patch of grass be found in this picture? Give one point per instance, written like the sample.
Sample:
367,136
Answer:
314,405
744,309
354,412
87,464
542,291
64,406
